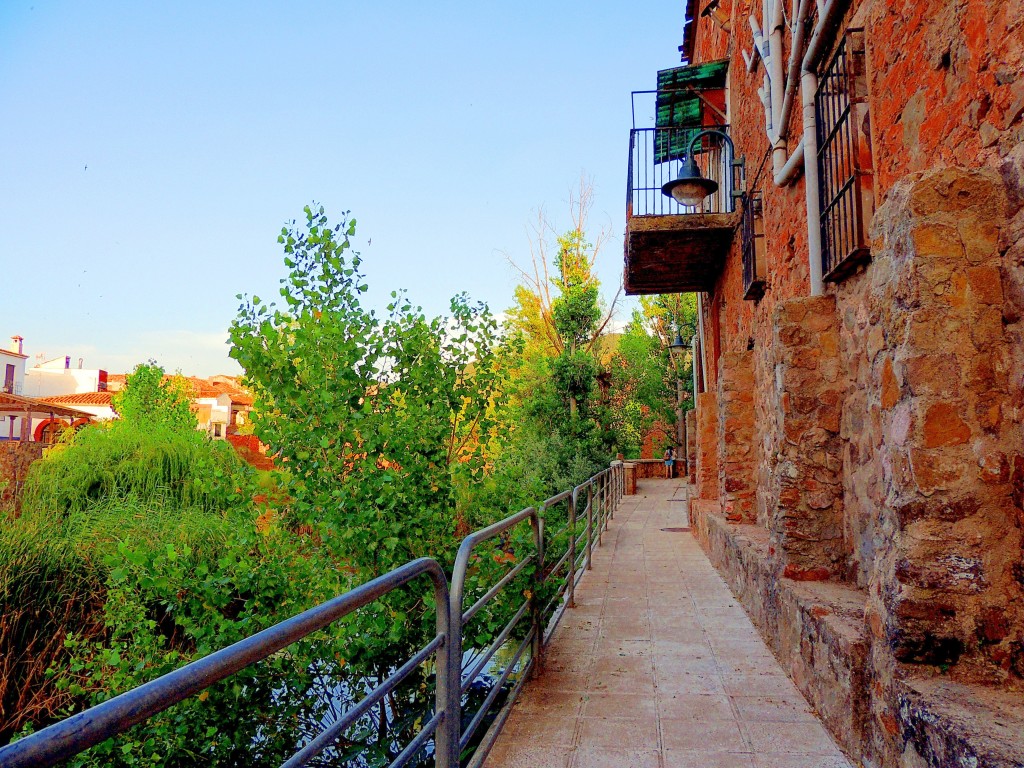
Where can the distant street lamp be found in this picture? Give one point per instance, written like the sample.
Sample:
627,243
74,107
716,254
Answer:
690,188
677,348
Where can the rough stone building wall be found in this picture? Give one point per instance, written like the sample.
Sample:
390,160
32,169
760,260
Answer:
804,490
691,444
737,454
707,445
948,580
885,424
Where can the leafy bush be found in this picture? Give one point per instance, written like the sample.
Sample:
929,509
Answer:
124,460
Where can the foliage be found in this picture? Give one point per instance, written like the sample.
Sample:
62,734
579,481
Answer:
150,397
136,459
393,435
148,480
373,417
171,601
47,588
643,373
557,323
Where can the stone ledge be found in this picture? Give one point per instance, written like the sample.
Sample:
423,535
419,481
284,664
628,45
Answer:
816,630
948,723
818,633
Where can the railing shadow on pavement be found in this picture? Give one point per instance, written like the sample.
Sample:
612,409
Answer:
599,495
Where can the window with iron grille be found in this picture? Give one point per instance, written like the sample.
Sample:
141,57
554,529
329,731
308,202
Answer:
844,160
754,267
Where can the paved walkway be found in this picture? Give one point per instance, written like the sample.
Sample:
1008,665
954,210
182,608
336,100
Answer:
658,666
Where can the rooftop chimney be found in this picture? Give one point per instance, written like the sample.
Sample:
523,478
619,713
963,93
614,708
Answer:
67,362
16,344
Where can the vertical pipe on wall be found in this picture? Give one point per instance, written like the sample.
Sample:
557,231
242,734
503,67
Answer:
809,87
777,24
703,340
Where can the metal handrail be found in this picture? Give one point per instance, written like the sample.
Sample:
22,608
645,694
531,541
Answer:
604,491
456,682
86,729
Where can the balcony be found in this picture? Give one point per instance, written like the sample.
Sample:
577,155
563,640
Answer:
672,248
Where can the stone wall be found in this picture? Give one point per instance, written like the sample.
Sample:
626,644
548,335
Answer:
737,455
691,444
883,446
15,460
707,445
802,483
949,580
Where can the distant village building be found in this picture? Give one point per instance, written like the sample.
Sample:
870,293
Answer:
58,377
24,418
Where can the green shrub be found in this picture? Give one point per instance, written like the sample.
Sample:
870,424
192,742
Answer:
141,461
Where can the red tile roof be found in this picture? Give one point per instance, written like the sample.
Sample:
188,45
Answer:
23,404
81,398
197,387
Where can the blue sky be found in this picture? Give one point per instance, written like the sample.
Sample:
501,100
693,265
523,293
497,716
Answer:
150,153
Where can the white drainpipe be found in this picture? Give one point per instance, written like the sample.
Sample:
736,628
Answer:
779,160
778,106
808,89
694,345
755,28
764,94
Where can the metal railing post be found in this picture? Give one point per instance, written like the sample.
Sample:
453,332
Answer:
572,549
600,512
448,694
538,582
605,487
590,526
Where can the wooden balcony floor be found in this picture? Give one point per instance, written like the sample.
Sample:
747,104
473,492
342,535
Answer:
677,254
658,666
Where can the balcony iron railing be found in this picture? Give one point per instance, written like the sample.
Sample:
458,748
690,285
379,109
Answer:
655,155
844,160
442,731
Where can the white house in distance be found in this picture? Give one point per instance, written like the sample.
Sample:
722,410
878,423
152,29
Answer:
12,367
56,382
57,377
24,418
96,404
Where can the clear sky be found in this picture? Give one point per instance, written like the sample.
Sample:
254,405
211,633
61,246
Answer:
151,151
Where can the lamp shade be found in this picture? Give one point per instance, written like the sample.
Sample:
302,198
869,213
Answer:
689,187
677,347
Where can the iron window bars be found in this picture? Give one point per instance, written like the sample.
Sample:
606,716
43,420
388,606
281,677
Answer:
754,266
844,159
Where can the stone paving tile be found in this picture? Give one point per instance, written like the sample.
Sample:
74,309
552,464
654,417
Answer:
590,757
658,666
674,758
773,709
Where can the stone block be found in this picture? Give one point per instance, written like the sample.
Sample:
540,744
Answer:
944,426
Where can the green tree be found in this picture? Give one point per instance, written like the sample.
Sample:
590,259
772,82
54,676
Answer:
372,417
645,378
558,320
149,396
